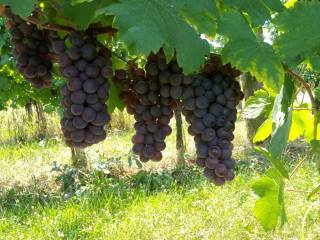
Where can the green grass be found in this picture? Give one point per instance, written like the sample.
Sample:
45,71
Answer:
156,203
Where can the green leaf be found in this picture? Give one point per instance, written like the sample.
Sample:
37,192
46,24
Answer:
264,131
84,13
148,25
290,3
317,92
275,162
313,192
271,204
267,209
314,62
301,124
274,174
258,10
22,9
114,100
74,2
264,186
201,14
257,104
300,33
245,52
283,214
281,119
274,5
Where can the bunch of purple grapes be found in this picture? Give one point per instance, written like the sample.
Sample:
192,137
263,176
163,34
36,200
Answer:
87,70
150,96
31,50
209,105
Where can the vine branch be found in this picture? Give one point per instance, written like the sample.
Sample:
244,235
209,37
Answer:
312,99
305,85
297,167
57,27
54,27
302,109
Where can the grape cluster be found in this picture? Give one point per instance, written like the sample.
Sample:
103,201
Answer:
84,96
150,96
31,50
209,105
152,118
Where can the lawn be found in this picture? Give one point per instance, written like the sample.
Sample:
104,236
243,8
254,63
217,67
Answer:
155,202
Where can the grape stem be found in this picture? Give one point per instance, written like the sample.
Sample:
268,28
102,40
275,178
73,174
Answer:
57,27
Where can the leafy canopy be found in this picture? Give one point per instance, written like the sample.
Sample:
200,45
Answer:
247,53
23,9
147,25
299,31
258,10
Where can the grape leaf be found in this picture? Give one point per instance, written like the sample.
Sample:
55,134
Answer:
281,119
317,92
258,10
84,13
313,192
263,186
74,2
148,25
114,100
290,3
201,14
274,5
248,54
257,104
300,32
271,204
301,125
274,161
264,131
274,174
267,208
314,62
22,9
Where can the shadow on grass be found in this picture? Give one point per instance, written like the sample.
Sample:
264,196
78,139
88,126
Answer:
99,190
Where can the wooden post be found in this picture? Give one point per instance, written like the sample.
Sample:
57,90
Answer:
79,158
41,120
29,110
250,85
180,146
